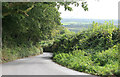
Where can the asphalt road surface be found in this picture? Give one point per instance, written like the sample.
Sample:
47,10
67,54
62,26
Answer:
38,65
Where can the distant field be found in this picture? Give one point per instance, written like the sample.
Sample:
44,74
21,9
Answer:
76,29
64,20
77,25
69,23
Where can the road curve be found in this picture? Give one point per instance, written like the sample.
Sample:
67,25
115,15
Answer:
37,65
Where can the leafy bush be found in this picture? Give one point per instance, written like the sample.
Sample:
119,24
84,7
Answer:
93,51
100,63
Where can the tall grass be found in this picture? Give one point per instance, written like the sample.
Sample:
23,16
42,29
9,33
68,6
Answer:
15,52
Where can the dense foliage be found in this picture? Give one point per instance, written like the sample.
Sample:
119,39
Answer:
93,51
22,32
30,28
25,24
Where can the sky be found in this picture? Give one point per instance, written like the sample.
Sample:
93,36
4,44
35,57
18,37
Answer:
97,9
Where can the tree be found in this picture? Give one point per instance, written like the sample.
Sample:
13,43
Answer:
14,8
32,21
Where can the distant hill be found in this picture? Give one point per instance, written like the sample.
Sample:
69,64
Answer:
77,25
88,20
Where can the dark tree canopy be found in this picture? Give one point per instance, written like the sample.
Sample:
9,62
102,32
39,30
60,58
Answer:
32,21
24,7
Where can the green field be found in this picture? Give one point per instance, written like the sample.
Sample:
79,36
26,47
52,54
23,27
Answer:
76,26
68,23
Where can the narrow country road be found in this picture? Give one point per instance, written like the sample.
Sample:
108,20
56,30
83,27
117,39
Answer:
37,65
